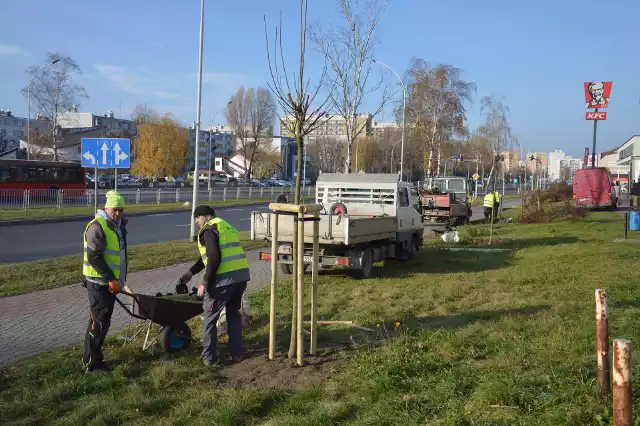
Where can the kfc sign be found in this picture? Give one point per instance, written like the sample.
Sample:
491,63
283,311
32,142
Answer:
597,94
596,115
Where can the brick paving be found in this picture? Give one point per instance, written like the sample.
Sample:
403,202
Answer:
51,319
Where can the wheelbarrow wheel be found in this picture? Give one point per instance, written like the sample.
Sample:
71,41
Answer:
175,338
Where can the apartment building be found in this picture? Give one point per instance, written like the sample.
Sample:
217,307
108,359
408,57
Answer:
11,127
332,126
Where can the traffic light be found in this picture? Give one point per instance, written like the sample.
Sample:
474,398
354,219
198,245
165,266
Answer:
461,157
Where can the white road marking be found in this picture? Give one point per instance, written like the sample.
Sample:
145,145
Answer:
162,214
188,224
246,218
233,210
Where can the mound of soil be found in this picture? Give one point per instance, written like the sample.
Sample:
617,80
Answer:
280,374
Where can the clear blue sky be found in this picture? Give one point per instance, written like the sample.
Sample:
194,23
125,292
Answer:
535,54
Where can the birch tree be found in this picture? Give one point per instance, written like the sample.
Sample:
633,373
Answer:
302,112
436,110
349,50
53,91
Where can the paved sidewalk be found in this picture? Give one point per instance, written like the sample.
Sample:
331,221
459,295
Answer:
51,319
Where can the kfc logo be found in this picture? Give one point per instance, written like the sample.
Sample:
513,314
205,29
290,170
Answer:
596,115
597,94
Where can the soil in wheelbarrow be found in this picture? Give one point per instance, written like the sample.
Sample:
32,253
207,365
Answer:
279,374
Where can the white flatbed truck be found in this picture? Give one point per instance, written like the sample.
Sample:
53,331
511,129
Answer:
366,218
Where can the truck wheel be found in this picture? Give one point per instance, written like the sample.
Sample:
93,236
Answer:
367,264
175,338
286,268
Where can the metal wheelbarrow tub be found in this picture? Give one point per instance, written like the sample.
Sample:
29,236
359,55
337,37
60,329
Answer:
171,313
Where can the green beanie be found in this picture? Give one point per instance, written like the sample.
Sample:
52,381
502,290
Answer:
114,200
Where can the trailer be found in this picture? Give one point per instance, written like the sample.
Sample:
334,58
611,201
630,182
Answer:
445,199
366,218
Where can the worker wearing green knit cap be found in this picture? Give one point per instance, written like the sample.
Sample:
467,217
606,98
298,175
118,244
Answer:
105,272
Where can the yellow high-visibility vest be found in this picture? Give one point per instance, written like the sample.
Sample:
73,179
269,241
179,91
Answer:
234,267
489,199
112,254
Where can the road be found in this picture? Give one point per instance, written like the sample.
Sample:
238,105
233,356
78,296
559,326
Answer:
43,241
47,240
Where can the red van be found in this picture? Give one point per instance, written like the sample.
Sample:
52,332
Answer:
593,188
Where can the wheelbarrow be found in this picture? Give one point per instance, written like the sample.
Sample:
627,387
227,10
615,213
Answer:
169,311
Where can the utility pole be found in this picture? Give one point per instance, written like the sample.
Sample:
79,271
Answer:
196,172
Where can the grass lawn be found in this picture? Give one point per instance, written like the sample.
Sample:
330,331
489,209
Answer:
71,211
36,275
460,338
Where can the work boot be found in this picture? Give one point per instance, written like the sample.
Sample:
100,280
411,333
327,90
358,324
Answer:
237,358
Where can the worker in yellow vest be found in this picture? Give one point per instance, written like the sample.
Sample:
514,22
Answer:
491,201
105,271
224,282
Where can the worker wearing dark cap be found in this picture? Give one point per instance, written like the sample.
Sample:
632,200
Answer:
224,281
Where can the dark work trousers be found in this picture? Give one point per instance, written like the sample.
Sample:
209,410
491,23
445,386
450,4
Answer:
230,298
101,303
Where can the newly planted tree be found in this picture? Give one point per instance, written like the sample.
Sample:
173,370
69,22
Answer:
302,112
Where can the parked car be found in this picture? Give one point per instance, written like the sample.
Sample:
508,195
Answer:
593,188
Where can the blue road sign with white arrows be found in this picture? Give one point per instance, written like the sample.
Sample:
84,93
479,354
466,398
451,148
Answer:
106,153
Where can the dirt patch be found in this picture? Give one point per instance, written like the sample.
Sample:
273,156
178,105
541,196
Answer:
279,374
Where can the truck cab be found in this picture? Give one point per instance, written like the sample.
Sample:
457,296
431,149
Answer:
446,199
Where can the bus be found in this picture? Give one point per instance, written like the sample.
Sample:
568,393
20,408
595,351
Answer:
41,175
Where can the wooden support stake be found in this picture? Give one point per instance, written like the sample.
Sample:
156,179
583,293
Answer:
602,341
274,279
626,225
622,383
314,287
300,291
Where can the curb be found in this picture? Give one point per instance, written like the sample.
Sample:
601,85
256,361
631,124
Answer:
88,217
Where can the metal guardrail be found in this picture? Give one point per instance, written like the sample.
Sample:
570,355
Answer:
17,199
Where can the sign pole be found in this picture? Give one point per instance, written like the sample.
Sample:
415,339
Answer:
593,152
95,181
116,179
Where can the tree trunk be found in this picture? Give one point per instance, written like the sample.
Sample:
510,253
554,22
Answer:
438,168
347,163
294,286
493,206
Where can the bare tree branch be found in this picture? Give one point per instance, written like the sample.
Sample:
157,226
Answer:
349,50
53,91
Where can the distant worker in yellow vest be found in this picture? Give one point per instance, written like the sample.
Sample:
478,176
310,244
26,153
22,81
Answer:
105,271
224,281
491,201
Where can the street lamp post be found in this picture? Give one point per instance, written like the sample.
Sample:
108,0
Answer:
55,60
404,104
196,174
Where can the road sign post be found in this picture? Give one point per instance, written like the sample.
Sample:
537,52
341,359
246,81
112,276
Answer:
105,153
